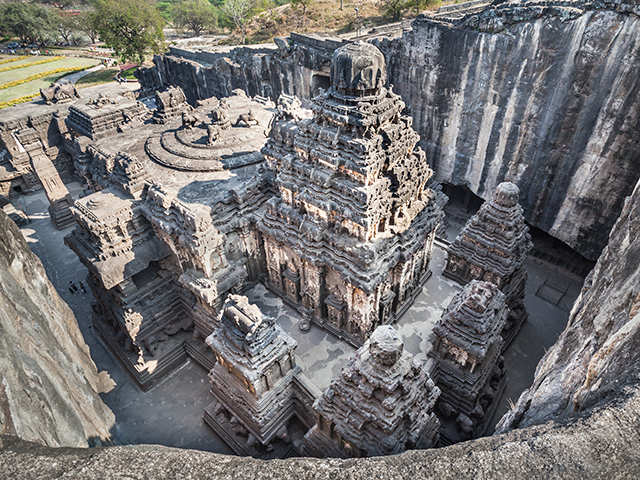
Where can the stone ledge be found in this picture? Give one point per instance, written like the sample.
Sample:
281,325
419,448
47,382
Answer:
604,443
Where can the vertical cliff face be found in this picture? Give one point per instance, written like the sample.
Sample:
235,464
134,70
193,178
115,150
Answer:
48,382
548,99
597,358
542,93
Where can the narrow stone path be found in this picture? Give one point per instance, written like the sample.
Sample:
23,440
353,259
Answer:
74,77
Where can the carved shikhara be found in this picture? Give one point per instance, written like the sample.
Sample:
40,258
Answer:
493,246
348,239
467,346
253,380
382,403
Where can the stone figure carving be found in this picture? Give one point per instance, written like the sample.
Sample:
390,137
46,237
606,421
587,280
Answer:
190,120
213,132
220,114
247,119
59,93
101,100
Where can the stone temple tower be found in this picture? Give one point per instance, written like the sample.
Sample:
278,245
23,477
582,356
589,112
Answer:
493,246
252,381
381,404
467,346
348,239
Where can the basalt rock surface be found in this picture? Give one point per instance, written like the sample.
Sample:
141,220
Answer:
597,357
541,93
605,444
48,382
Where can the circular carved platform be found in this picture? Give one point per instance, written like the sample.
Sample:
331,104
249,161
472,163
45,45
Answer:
188,148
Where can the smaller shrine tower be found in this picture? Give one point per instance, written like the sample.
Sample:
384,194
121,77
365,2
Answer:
381,404
252,381
493,246
467,347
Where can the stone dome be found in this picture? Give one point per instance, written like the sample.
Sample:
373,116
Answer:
507,194
385,346
358,69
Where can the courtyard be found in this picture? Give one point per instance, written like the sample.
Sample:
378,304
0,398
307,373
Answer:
179,400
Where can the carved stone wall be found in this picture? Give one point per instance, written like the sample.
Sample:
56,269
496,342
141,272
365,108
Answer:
252,381
381,403
348,241
467,346
542,94
493,246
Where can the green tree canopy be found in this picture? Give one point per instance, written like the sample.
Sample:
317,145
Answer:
66,26
394,8
130,27
30,22
194,15
88,23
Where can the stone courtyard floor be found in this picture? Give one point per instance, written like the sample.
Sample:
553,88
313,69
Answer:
171,412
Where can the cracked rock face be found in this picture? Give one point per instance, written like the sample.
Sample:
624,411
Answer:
48,382
597,357
535,96
543,94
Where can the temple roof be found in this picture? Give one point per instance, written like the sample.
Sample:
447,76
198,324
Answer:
248,339
496,237
383,394
474,318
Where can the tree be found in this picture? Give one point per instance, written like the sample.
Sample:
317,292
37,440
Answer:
195,15
30,22
304,4
130,27
62,4
88,23
393,8
66,26
239,12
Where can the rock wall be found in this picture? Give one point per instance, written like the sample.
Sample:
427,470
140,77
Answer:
48,382
603,445
298,65
542,93
546,98
596,360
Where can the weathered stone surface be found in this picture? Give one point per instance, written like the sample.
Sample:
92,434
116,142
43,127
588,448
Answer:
602,445
597,357
59,93
48,383
381,403
349,238
252,381
493,246
549,101
541,93
469,371
600,440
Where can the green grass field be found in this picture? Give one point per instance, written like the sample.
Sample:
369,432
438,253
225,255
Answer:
34,86
97,78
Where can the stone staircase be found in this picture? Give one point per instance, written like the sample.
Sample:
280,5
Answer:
60,201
